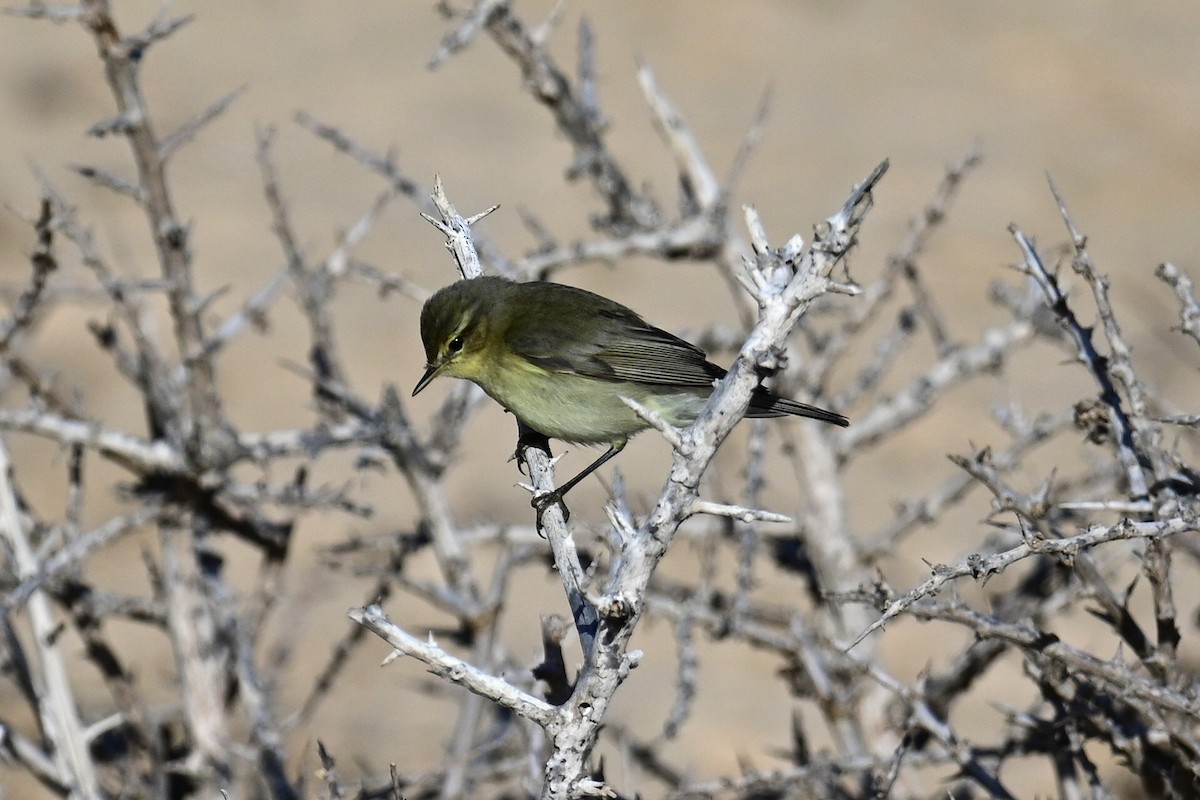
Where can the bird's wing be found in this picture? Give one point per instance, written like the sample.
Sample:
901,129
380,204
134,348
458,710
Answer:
623,347
643,353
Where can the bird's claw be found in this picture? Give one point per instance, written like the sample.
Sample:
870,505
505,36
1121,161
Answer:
543,502
519,457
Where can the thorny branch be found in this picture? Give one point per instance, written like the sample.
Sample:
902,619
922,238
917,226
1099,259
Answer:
802,585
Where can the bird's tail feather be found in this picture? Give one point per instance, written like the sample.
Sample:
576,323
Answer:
765,404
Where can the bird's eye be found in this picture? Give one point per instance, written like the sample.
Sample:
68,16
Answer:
456,344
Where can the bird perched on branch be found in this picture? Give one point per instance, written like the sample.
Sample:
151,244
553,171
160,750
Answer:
561,359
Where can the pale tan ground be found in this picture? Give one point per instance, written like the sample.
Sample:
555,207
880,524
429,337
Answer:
1105,96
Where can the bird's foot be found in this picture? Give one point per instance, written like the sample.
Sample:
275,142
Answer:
543,502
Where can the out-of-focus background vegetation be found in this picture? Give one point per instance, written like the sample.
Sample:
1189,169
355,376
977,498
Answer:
1103,96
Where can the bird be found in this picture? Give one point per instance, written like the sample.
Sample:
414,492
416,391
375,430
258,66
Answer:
562,358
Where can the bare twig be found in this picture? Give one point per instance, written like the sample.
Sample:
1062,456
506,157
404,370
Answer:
57,707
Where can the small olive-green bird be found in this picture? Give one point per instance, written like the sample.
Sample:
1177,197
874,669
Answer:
561,359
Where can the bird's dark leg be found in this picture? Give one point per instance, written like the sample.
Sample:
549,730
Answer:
527,437
544,501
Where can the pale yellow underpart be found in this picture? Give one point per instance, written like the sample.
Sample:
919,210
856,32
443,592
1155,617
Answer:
572,407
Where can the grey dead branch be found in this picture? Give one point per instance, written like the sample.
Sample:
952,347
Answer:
1052,545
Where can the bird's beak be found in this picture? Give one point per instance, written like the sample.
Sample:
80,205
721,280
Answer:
431,371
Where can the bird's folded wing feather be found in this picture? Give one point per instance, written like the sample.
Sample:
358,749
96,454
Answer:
625,348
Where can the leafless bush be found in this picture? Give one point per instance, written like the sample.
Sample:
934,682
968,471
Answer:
1115,528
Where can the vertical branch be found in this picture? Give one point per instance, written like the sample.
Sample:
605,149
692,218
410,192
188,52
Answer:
1132,459
574,117
57,710
272,756
200,657
200,429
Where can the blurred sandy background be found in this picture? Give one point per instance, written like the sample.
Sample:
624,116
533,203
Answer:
1105,96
